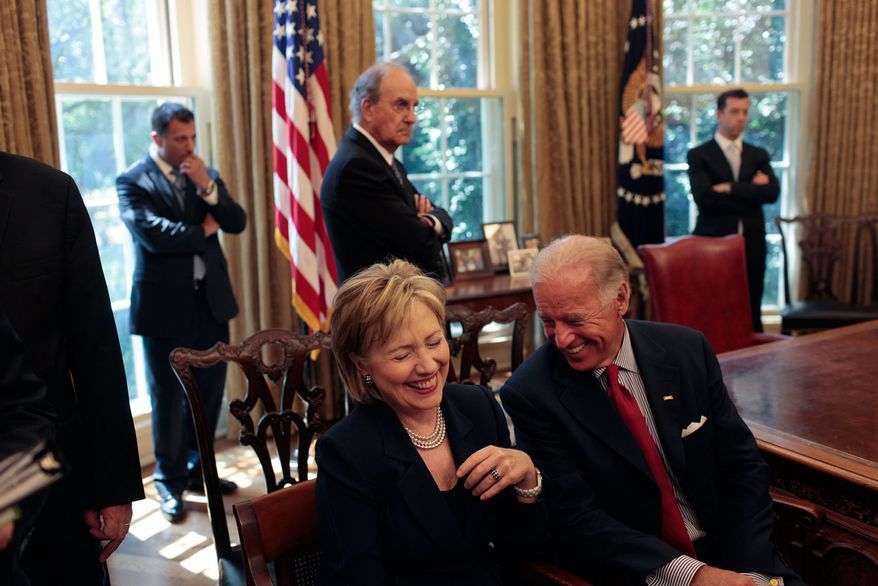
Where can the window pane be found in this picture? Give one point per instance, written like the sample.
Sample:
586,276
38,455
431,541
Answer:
676,57
677,130
410,44
70,34
112,238
463,125
677,208
457,51
126,42
715,54
88,143
675,7
766,125
762,49
466,208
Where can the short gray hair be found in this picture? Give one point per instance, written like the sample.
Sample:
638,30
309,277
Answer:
593,258
368,86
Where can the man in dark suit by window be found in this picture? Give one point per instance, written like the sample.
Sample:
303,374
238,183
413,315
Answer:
372,211
731,180
174,205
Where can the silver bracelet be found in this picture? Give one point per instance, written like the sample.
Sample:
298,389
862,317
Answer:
531,493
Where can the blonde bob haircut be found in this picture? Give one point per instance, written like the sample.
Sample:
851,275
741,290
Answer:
369,307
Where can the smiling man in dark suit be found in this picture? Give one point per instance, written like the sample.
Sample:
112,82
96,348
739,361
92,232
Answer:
174,205
651,476
373,212
731,180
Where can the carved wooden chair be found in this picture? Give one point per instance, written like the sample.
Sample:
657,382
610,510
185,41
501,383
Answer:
824,244
465,347
278,417
701,282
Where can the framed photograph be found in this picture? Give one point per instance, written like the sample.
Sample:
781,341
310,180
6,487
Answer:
520,260
501,239
470,259
531,241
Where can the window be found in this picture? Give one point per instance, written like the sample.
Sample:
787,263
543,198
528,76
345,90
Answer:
711,46
112,66
458,154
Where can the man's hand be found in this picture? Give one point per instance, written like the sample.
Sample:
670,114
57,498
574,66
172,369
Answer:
210,225
722,187
6,535
760,178
710,576
194,168
423,204
109,524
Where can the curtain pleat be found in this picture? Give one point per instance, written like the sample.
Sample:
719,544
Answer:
843,174
27,94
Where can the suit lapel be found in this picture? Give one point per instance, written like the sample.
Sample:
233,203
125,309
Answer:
164,188
585,399
719,157
416,486
662,385
365,144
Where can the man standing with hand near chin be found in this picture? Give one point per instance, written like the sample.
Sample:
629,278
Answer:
174,205
730,181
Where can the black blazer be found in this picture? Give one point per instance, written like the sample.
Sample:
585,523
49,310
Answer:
53,289
370,217
165,240
604,505
383,520
718,213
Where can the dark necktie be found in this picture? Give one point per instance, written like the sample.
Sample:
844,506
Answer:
673,528
397,172
179,184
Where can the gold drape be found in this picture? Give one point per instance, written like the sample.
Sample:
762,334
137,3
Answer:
241,50
844,177
27,96
570,70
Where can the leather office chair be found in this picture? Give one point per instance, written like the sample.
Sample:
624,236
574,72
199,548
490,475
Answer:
274,362
465,347
826,243
701,282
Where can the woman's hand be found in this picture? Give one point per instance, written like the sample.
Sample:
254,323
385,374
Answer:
492,469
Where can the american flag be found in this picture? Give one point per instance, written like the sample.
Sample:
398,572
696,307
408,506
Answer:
304,141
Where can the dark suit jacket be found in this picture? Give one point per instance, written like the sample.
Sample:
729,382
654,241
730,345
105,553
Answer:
370,217
53,289
165,240
604,505
718,213
383,520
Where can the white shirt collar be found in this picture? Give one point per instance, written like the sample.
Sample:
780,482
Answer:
625,358
164,166
388,156
725,142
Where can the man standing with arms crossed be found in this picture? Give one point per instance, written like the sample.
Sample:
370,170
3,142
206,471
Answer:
174,206
731,180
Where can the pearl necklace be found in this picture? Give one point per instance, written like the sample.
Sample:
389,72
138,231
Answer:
435,439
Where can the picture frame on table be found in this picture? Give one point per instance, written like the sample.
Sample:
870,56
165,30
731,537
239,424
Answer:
501,238
531,241
520,261
470,259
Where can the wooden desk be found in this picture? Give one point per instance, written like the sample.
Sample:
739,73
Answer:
812,404
497,291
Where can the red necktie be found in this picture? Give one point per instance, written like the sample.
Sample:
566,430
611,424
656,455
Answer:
673,528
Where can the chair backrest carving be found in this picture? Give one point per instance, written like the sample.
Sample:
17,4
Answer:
465,346
278,413
821,242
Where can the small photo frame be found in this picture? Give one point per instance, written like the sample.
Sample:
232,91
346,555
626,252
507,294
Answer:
520,260
501,238
531,241
469,259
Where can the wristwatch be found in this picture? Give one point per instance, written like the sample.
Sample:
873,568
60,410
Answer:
207,190
531,493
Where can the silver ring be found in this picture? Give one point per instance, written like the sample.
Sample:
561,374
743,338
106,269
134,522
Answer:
495,475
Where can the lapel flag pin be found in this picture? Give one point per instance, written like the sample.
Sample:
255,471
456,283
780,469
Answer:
668,398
